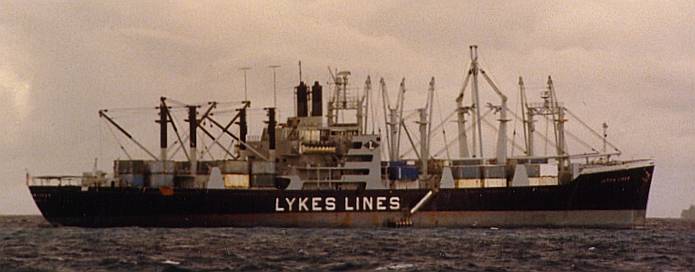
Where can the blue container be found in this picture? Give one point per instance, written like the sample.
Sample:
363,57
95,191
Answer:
134,180
402,172
397,163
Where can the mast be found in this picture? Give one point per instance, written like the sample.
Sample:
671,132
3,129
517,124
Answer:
192,139
426,129
163,120
340,102
558,113
367,95
272,123
243,128
462,137
399,119
527,119
502,131
430,107
477,120
178,136
561,144
461,122
531,126
474,71
387,113
359,107
605,137
424,154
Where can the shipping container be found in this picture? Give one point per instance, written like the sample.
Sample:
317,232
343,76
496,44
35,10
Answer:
236,181
495,171
402,172
161,167
161,173
548,170
543,181
235,167
469,183
533,170
466,172
495,182
263,167
474,161
129,166
133,180
262,180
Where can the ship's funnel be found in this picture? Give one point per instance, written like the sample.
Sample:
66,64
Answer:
271,128
302,100
316,99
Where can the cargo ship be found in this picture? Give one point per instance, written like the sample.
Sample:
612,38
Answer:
340,169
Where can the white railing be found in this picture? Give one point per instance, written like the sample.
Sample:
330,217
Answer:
54,181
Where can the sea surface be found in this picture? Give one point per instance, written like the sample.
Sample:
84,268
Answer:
28,243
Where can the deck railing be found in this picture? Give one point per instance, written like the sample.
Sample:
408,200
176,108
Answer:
54,181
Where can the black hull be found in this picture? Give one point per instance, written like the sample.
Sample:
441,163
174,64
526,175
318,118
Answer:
617,198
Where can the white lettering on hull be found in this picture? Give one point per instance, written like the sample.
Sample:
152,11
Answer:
277,206
330,203
380,206
302,204
395,203
289,203
317,204
347,205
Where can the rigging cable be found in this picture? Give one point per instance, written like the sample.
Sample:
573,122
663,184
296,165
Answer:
119,143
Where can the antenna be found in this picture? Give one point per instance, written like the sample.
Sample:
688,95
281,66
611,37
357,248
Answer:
605,136
275,91
246,93
300,71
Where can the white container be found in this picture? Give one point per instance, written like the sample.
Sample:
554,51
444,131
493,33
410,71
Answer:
469,183
543,181
161,173
495,183
548,170
236,181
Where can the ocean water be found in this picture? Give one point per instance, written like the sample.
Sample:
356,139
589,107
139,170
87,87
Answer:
28,243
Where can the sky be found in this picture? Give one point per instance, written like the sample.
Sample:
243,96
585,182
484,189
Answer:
626,63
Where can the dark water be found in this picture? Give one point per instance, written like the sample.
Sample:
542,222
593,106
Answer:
29,244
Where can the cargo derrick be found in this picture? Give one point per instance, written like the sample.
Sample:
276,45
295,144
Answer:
193,172
305,153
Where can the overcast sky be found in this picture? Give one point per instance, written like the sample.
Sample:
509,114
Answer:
627,63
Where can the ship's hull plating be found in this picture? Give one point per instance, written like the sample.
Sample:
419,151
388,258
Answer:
615,198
